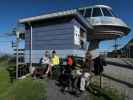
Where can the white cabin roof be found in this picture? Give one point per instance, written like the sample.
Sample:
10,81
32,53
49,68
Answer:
95,6
56,15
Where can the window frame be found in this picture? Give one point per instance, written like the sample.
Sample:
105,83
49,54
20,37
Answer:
90,12
99,13
81,12
112,13
107,12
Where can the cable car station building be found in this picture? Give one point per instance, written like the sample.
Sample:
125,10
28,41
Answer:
70,32
66,32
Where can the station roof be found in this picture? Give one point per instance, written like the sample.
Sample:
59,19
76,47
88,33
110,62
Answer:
57,15
96,6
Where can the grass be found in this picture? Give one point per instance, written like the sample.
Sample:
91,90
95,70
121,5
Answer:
26,89
4,77
105,94
97,93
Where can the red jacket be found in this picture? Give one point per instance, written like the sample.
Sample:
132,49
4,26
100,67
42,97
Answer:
69,61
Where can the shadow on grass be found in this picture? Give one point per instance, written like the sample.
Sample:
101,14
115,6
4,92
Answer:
12,73
98,93
130,85
128,66
22,70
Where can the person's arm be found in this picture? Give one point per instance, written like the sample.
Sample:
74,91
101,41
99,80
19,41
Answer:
58,60
92,66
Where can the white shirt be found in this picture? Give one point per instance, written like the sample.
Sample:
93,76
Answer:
45,60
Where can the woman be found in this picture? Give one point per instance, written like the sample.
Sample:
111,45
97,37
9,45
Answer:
55,61
87,71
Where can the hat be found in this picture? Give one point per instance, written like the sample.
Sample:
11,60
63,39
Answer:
53,51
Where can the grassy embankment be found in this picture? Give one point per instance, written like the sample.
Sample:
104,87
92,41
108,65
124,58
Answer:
105,94
26,89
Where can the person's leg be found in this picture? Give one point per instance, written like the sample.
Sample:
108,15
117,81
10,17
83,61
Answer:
48,69
75,87
70,81
75,82
64,82
87,77
34,74
87,82
82,84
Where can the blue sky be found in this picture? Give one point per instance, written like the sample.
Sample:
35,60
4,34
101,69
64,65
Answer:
12,10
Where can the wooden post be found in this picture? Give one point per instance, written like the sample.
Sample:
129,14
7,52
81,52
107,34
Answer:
100,80
30,48
17,44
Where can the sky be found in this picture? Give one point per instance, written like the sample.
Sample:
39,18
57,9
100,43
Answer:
13,10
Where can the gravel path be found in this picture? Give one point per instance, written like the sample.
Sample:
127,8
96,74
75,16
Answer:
54,93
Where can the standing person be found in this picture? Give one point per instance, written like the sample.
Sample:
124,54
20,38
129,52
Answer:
87,71
99,62
55,61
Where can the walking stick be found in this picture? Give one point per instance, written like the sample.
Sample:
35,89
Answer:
100,80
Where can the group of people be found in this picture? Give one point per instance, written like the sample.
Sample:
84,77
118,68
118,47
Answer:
70,77
47,62
77,80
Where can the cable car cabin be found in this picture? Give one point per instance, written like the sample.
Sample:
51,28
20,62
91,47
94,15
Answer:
66,32
106,24
71,31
